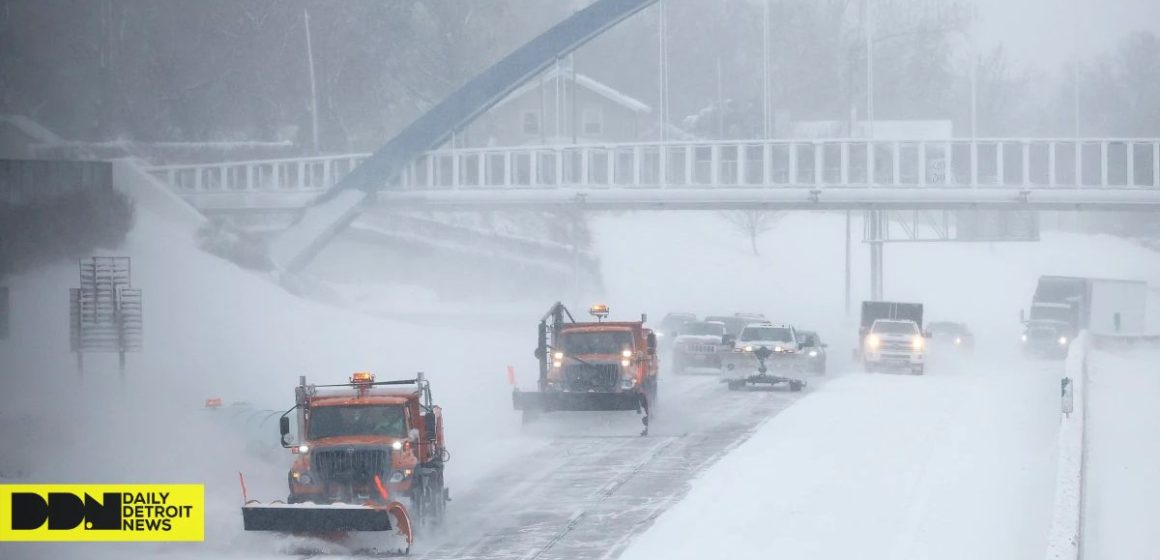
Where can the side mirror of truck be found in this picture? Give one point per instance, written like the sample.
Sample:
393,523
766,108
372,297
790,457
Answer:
429,423
926,334
539,353
652,343
284,428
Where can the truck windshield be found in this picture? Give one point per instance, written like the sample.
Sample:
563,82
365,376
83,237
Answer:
895,327
596,342
1044,313
767,333
703,329
360,420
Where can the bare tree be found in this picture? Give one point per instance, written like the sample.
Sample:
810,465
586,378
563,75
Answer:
752,223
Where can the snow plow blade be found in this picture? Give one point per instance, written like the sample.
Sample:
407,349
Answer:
314,519
533,400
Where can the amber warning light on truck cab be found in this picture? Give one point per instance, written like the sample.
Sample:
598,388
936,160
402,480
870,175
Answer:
600,311
360,377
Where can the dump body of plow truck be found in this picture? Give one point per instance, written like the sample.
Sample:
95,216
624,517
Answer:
362,450
591,366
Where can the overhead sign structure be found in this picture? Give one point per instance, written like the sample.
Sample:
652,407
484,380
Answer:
105,311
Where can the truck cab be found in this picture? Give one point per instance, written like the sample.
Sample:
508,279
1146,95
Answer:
592,365
1050,328
894,344
366,441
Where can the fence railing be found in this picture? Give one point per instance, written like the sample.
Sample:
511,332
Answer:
993,162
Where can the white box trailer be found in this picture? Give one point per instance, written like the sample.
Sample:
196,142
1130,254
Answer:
1117,306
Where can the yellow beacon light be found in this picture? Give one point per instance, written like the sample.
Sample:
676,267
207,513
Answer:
362,377
599,310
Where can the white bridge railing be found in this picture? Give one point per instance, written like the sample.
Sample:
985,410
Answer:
993,162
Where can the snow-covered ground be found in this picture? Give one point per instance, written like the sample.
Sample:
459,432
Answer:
948,465
1122,490
944,446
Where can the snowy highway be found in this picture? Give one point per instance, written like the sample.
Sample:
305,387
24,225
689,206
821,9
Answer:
585,495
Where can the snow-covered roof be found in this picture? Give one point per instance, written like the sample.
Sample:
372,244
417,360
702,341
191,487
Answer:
31,128
586,82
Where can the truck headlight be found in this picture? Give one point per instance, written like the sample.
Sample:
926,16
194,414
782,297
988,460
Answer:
958,341
778,349
1024,337
873,341
303,478
625,363
628,383
396,477
748,348
626,353
1062,340
916,343
303,448
397,445
559,355
813,353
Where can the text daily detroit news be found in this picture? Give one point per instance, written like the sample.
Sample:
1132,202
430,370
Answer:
147,512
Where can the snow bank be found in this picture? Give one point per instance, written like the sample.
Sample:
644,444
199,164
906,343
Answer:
881,466
1122,495
1064,539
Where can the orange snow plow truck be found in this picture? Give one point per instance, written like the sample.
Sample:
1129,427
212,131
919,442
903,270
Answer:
589,366
362,450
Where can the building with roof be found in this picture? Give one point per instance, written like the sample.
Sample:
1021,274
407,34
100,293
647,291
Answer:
561,106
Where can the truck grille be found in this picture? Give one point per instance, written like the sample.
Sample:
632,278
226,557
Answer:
1040,334
591,377
896,346
350,463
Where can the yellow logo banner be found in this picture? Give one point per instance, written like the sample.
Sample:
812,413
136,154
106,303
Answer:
102,512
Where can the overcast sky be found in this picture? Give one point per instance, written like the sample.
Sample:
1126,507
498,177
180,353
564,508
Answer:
1041,33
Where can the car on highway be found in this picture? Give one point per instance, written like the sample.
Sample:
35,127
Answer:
670,326
814,351
895,344
698,347
951,336
733,323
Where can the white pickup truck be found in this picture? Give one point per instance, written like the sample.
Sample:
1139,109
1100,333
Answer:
894,344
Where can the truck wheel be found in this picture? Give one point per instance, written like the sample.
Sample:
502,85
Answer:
795,386
733,385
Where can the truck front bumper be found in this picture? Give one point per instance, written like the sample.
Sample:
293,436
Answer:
891,359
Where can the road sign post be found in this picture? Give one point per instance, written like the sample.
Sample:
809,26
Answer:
105,311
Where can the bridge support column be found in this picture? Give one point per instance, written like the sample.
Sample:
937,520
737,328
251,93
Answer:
875,224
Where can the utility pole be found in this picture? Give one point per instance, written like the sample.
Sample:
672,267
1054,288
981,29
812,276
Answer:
869,28
313,87
875,217
720,102
766,101
974,97
663,66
